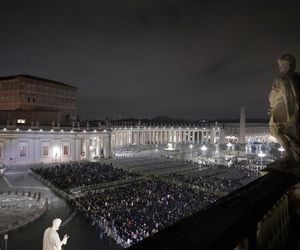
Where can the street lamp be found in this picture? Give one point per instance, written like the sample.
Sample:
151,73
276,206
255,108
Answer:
228,145
217,150
191,148
281,150
5,240
261,155
217,153
203,149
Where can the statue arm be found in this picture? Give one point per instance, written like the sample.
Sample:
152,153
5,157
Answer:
57,242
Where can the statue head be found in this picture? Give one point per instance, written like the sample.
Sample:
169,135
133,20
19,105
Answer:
287,63
56,223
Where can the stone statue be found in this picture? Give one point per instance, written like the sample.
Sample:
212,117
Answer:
51,240
285,107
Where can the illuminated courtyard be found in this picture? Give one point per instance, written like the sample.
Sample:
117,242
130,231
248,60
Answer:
211,170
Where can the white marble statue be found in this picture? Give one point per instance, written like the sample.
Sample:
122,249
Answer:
285,107
51,240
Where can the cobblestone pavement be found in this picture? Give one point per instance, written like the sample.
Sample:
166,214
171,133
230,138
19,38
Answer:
18,209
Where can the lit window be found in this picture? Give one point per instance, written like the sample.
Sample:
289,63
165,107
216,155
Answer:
23,151
66,150
45,151
21,121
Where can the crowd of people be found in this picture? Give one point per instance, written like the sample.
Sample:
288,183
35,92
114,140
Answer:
218,179
133,212
69,175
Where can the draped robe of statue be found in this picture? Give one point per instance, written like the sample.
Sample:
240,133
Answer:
284,122
51,240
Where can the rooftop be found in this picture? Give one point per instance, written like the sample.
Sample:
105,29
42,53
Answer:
30,77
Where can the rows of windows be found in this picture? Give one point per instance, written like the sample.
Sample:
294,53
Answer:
14,97
49,100
55,90
42,88
9,97
45,151
8,86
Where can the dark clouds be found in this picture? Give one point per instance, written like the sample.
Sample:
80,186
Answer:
188,59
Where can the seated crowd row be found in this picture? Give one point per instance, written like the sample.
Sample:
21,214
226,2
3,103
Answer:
77,174
135,211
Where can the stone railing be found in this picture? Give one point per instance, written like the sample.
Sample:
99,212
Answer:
254,217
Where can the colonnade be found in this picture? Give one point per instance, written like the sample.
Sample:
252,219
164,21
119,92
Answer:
141,136
92,147
27,146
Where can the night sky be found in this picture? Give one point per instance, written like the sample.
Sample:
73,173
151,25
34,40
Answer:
135,58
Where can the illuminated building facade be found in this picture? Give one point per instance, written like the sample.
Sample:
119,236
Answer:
35,109
26,99
46,144
123,136
259,132
34,146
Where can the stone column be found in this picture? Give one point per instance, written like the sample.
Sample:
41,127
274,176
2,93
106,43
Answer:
98,146
87,148
202,137
127,138
82,146
222,136
109,145
77,149
198,137
212,136
36,150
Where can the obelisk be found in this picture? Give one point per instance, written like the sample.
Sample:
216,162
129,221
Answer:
242,125
242,139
